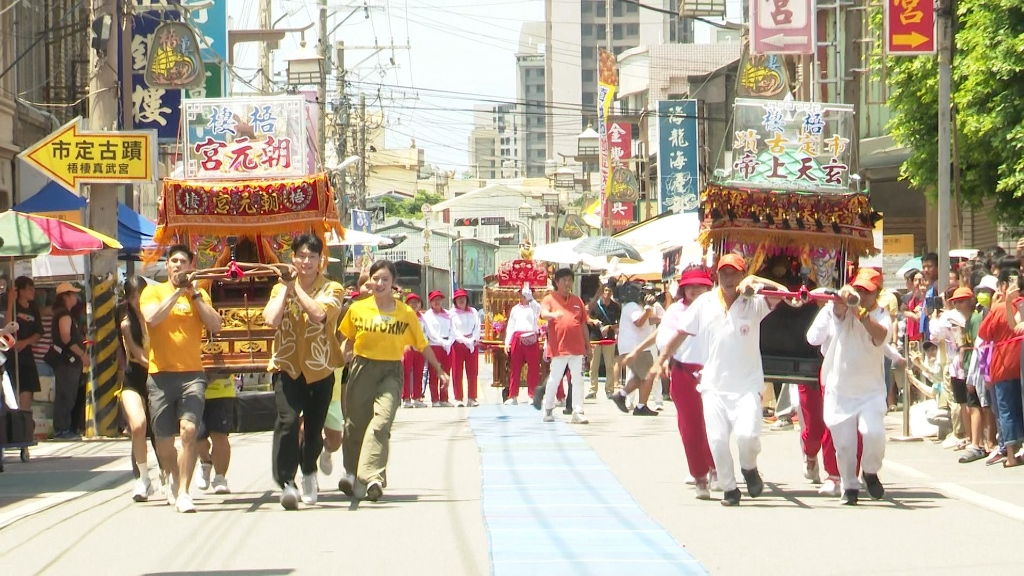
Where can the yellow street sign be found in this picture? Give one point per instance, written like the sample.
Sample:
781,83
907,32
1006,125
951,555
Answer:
71,156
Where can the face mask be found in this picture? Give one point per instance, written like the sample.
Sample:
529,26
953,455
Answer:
985,299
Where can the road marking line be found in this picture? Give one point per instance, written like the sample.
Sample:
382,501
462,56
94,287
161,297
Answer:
958,492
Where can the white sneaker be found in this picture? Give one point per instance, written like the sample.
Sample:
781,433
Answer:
811,471
220,485
830,487
171,490
548,417
690,480
579,418
782,424
658,407
472,403
459,404
702,489
511,402
290,497
406,403
309,487
419,404
326,463
203,476
713,481
184,504
143,488
950,442
435,405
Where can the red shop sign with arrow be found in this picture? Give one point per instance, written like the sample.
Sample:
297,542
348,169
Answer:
909,27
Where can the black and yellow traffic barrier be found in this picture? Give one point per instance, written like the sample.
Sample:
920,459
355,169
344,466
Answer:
105,381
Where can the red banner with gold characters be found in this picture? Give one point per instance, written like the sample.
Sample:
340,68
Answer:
263,207
514,273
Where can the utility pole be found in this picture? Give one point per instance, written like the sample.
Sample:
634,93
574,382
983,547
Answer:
104,94
341,120
944,14
549,91
321,92
853,60
362,151
265,24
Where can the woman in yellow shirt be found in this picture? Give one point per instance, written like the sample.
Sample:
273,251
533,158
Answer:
376,331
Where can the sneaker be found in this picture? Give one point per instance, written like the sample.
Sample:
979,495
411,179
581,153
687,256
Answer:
538,396
511,402
731,498
567,410
610,394
445,404
973,454
472,403
220,485
419,404
347,485
782,424
309,487
850,497
950,442
203,477
713,481
548,416
406,403
591,396
703,492
172,490
326,462
435,405
579,418
620,401
874,486
184,504
459,404
374,491
995,457
811,471
143,488
755,486
658,407
830,487
290,497
644,411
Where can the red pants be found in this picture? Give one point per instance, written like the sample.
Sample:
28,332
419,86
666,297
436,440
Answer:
814,435
412,364
690,419
463,356
445,361
518,354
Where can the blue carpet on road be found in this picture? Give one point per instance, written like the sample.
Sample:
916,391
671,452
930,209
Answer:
552,506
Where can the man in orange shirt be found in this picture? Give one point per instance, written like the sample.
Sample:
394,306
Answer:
175,318
569,342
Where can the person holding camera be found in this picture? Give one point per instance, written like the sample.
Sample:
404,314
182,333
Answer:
603,322
640,324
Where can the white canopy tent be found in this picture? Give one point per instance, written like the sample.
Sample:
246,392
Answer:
358,238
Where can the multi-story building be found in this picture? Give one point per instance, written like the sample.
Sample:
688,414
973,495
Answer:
575,31
530,94
494,142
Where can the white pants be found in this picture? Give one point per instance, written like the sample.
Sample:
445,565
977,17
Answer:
725,415
871,425
558,364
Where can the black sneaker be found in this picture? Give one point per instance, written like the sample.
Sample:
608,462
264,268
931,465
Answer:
620,401
731,498
347,485
755,486
875,488
850,497
590,396
643,411
374,491
538,396
567,410
504,394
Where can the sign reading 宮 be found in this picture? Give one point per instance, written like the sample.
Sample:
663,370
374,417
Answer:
792,145
71,156
243,138
782,26
909,27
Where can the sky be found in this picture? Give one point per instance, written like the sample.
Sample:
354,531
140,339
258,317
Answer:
462,53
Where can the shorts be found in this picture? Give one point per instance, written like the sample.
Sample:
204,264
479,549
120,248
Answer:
335,419
175,396
28,374
218,418
958,387
642,365
135,377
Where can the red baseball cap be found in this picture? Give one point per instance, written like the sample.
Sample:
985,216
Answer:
962,293
868,278
435,294
733,261
460,292
695,277
412,296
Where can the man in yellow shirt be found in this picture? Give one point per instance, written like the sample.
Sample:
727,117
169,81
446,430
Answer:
175,318
304,310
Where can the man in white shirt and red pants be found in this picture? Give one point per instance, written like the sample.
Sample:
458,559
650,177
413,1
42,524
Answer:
466,351
729,325
855,390
522,344
440,337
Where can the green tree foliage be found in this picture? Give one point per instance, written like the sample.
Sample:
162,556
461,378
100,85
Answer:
412,207
988,93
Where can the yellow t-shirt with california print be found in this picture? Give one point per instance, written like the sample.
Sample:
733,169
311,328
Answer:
381,336
176,343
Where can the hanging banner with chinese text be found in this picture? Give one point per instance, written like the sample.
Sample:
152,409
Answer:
152,108
362,221
678,156
261,206
792,145
173,61
620,138
607,81
621,214
240,138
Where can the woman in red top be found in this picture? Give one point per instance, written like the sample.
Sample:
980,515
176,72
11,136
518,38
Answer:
915,306
999,327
